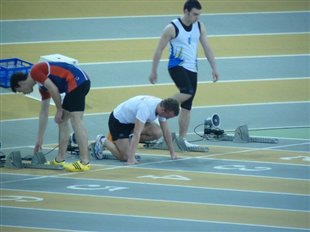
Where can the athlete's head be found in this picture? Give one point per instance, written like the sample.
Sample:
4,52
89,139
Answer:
192,9
171,108
190,4
19,83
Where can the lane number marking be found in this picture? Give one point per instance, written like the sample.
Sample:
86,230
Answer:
303,158
167,177
20,198
241,168
91,187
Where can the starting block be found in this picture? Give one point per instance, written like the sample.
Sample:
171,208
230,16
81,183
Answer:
38,161
242,136
178,145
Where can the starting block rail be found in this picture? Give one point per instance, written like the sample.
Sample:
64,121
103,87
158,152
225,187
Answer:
38,161
178,145
242,136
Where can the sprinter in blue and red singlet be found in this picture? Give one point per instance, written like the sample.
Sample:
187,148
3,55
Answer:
54,79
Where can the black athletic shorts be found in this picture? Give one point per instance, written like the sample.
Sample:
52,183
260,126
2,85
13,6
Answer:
119,130
75,100
186,81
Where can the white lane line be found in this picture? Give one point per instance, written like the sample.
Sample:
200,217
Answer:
155,16
150,217
33,228
271,148
190,158
217,58
181,185
194,107
147,38
201,82
154,200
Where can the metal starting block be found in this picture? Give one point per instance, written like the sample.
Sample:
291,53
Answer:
178,145
242,136
38,161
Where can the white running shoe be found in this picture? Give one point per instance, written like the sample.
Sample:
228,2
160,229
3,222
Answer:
188,144
99,148
72,140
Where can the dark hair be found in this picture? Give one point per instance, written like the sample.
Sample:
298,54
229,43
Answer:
190,4
17,77
171,105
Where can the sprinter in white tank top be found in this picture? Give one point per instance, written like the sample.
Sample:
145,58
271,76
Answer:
135,118
183,35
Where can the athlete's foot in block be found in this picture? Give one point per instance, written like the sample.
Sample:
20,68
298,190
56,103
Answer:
132,162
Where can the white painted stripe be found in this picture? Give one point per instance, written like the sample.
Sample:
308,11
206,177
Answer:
270,148
150,217
203,82
80,40
37,227
15,148
148,38
172,84
183,185
254,104
259,34
154,200
203,58
195,107
257,161
154,16
188,158
189,171
141,166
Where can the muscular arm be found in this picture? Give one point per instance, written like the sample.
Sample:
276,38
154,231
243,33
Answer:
208,52
53,90
43,119
134,142
168,34
168,138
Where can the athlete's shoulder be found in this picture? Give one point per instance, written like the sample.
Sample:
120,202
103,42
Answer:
39,72
39,66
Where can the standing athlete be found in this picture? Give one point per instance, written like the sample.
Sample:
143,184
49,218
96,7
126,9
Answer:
184,34
53,79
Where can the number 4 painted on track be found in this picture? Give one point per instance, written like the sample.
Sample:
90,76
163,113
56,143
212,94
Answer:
304,158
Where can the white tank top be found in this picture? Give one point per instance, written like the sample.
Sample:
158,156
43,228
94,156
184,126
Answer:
184,48
141,107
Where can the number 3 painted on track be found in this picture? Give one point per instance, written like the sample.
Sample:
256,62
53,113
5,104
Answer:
242,168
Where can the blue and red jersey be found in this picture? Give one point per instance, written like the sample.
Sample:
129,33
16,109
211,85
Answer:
66,77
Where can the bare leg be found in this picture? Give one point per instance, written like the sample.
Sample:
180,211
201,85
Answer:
63,137
109,145
151,131
184,119
181,97
184,116
123,147
80,134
